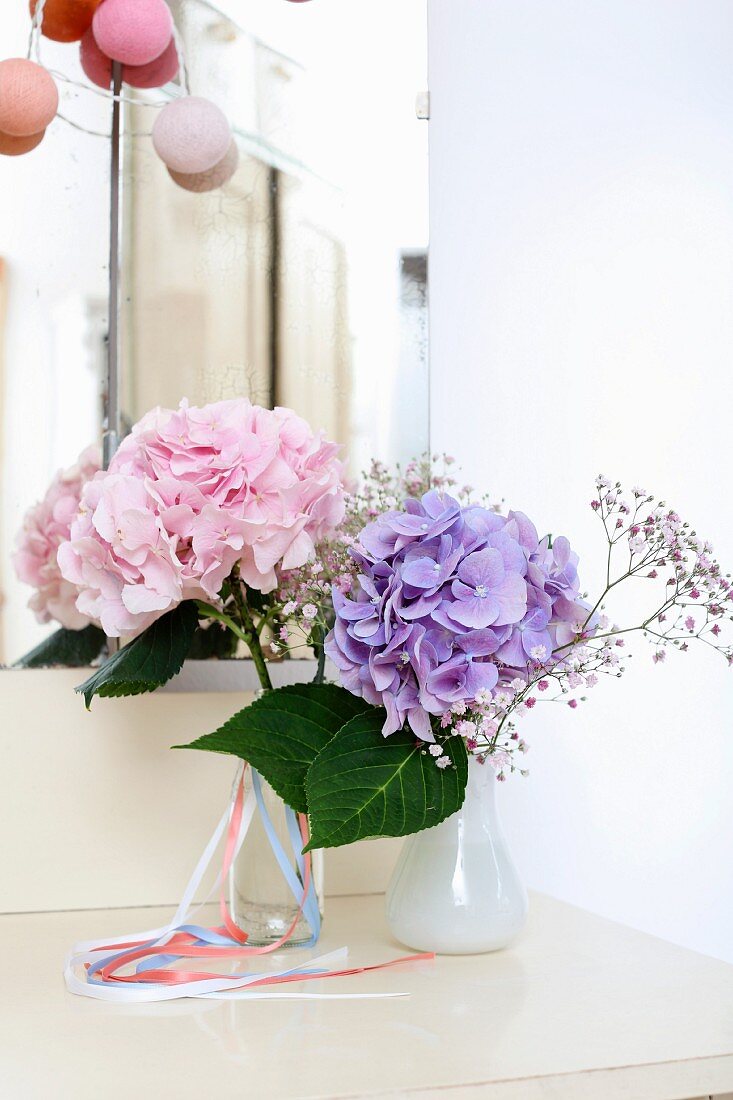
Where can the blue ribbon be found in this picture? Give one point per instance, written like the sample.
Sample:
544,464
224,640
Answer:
311,911
295,881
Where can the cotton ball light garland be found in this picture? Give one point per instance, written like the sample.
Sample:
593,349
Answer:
98,67
134,32
29,98
191,135
11,146
221,173
66,20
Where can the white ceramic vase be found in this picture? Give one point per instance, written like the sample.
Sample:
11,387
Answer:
455,889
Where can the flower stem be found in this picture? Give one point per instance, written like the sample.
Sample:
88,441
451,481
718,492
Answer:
317,636
251,636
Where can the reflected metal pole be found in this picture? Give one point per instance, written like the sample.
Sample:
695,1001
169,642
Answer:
111,429
112,424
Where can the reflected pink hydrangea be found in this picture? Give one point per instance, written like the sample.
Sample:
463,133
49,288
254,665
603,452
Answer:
45,527
191,493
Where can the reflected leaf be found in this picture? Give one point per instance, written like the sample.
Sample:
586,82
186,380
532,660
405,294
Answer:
66,649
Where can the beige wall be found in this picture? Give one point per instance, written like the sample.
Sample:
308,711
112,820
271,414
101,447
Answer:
96,811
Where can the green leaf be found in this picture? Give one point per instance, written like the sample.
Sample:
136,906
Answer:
256,600
281,734
213,641
366,785
149,660
66,649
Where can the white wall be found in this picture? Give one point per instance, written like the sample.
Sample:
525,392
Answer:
581,289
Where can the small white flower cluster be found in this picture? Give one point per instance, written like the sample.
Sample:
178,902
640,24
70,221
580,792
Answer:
655,544
695,601
442,760
487,728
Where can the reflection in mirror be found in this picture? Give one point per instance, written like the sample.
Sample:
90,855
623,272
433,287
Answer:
303,281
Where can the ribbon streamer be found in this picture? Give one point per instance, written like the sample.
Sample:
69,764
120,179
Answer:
93,968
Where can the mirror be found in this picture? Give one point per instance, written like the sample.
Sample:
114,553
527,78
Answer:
303,281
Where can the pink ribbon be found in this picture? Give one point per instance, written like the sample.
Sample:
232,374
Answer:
183,943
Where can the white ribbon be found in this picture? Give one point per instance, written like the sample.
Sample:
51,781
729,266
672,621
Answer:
224,988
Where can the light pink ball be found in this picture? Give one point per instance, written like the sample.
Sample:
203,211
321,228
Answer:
191,135
133,31
98,67
216,177
29,98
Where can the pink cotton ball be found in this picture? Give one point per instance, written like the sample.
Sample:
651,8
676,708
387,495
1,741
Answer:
216,177
156,73
133,31
11,146
96,65
191,135
29,98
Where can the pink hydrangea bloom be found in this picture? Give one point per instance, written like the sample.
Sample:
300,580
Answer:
45,527
189,494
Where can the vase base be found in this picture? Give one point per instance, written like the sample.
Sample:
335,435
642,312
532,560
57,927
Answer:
266,924
443,947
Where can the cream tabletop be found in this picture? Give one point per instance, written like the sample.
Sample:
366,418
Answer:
579,1008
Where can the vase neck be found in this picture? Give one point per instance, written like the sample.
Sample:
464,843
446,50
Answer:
481,780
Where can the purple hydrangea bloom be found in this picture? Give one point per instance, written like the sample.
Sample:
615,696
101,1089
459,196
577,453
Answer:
449,602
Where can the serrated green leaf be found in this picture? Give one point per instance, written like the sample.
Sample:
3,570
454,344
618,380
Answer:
151,659
366,785
213,641
66,649
281,734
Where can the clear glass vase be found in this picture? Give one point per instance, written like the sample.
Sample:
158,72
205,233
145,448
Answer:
261,901
455,889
